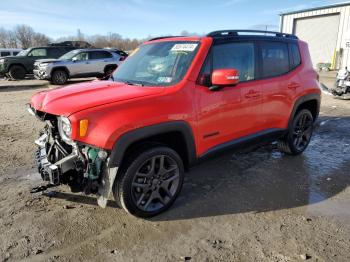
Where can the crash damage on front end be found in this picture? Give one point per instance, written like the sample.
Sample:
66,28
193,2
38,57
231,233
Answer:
61,160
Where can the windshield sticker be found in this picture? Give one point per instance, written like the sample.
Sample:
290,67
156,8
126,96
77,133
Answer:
184,47
164,79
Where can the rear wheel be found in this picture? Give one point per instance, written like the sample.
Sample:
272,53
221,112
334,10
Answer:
17,72
59,77
299,134
150,183
108,72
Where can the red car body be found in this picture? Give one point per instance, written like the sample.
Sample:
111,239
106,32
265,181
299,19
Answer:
96,128
114,108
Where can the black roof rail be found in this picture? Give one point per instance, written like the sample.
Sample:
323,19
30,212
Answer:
225,33
163,37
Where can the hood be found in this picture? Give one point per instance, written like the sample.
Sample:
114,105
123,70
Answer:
11,57
73,98
48,60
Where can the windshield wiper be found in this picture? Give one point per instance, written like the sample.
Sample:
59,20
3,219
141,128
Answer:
132,83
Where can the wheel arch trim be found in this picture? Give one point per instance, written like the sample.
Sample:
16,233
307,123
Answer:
128,138
60,67
309,97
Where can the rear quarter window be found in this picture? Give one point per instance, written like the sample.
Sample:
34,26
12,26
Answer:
275,59
294,56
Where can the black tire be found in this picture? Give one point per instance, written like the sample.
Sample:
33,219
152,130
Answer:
110,69
107,72
17,72
144,189
299,134
59,77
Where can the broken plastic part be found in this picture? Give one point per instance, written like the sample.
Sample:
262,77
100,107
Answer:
106,185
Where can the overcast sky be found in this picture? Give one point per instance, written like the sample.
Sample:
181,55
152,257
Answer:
141,18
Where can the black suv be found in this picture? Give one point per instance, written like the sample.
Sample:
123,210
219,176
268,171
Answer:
16,67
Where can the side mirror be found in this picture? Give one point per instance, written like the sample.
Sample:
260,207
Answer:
224,77
74,59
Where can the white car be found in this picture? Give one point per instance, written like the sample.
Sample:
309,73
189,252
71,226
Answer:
79,63
9,51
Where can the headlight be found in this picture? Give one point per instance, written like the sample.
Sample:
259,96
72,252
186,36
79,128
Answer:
64,128
2,61
43,65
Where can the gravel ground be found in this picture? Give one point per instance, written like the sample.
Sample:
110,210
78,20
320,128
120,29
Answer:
247,206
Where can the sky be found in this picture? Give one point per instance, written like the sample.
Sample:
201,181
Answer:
144,18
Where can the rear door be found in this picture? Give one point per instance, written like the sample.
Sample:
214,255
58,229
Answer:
99,59
280,82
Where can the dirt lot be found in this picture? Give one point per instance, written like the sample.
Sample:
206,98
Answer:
257,206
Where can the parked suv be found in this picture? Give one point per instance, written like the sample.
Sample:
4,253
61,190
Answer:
16,67
79,63
9,51
173,102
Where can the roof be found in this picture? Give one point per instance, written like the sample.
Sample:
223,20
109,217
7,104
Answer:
317,8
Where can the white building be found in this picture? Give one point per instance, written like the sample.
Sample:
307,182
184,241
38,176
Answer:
327,31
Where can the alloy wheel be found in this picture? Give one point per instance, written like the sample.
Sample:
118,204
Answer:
155,183
302,131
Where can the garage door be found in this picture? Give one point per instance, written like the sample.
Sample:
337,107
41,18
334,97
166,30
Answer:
320,32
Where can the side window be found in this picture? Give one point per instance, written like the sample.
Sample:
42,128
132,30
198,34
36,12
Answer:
54,52
82,56
5,53
38,52
275,59
294,56
15,53
238,56
100,55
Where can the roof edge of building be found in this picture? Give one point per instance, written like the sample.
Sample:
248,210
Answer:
316,8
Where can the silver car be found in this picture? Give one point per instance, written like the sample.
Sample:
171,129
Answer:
79,63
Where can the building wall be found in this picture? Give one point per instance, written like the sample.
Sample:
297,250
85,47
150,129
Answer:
287,26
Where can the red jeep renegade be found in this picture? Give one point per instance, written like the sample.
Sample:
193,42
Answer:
173,102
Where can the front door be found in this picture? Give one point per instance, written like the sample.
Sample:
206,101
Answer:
80,64
231,112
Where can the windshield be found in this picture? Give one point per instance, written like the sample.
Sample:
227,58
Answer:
69,55
24,52
157,64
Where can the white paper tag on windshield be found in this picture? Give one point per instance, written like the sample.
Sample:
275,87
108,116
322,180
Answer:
184,47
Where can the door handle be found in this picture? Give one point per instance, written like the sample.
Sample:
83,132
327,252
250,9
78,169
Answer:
252,94
293,85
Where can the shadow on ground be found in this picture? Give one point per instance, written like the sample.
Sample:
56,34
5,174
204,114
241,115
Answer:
263,179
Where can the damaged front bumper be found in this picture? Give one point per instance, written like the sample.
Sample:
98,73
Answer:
83,168
52,172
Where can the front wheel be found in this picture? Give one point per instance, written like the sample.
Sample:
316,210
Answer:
150,183
299,134
17,72
59,77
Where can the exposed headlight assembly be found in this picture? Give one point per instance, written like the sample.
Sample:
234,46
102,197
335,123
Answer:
64,128
43,65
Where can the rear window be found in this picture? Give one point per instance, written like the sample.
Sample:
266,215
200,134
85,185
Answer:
100,55
55,52
294,56
5,53
275,59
